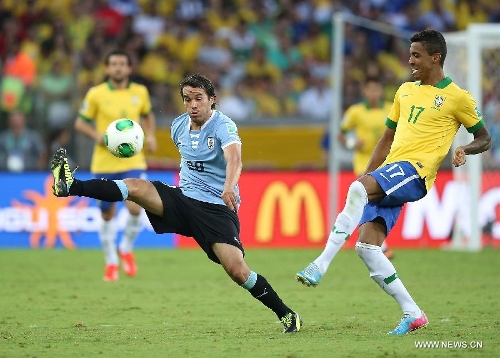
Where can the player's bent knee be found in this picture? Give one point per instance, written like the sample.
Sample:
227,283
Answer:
136,187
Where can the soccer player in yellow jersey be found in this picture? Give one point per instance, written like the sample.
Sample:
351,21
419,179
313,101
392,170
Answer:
367,122
421,126
118,97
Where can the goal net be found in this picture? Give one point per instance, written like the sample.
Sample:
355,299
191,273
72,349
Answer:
473,62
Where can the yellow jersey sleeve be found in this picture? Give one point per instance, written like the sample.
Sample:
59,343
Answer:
349,121
468,114
146,102
393,116
90,106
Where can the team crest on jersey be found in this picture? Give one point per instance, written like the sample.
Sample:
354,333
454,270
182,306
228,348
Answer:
135,100
211,143
478,113
438,102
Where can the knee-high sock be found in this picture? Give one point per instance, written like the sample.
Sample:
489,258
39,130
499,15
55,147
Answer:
383,272
260,289
100,189
132,229
107,235
345,224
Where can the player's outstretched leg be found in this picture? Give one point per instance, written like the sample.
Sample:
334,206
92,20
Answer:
345,224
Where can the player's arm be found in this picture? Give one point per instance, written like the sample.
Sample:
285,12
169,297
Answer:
84,121
469,115
86,128
381,150
232,154
481,143
148,123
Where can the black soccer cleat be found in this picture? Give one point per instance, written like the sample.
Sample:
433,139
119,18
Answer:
292,322
63,176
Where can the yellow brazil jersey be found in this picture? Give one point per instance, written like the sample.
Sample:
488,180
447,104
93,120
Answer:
103,104
427,119
368,125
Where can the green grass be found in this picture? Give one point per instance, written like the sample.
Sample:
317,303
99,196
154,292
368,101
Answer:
54,304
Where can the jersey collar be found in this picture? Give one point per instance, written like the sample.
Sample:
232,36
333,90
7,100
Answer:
441,84
110,86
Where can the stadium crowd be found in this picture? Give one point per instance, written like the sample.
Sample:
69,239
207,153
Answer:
270,59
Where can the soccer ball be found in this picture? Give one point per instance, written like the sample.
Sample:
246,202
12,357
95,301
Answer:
124,138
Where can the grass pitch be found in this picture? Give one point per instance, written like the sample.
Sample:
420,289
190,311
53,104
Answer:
53,303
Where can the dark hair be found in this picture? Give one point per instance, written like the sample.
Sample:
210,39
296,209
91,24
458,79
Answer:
433,42
118,53
369,79
198,81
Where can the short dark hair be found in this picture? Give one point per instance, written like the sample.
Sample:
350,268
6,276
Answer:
198,81
370,79
118,53
433,42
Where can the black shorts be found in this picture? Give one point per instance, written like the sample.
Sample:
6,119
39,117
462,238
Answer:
205,222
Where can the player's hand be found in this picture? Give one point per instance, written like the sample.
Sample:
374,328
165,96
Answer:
151,144
459,157
229,198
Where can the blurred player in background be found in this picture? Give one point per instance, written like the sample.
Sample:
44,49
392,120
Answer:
116,98
361,128
205,204
421,126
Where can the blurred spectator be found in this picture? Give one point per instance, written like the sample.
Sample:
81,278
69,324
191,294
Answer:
315,103
21,149
470,11
241,42
109,18
260,67
80,24
55,91
285,55
438,18
19,72
236,104
150,23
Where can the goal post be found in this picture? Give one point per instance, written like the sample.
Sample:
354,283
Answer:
470,53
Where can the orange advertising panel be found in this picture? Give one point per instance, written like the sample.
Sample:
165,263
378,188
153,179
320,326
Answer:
290,209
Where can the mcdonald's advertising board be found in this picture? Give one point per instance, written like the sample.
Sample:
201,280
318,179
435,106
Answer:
290,209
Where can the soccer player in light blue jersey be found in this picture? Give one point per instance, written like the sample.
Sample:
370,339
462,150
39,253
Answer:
205,204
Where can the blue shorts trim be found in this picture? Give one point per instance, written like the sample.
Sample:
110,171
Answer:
137,173
402,184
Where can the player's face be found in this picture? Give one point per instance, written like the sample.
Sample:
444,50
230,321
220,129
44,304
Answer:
421,63
373,92
118,69
198,104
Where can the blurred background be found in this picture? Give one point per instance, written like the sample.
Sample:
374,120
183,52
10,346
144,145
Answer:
271,64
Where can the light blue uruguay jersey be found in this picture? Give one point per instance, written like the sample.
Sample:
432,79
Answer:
203,166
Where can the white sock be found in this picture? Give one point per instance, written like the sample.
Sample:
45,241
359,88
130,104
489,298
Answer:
107,235
383,272
345,224
132,229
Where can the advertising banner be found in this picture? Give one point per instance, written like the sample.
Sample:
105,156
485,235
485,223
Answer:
30,216
279,209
